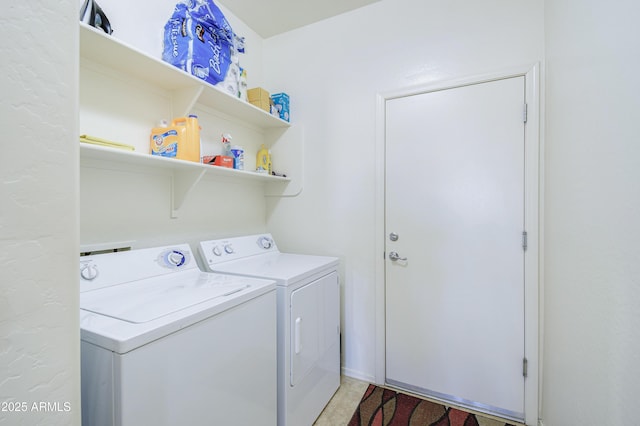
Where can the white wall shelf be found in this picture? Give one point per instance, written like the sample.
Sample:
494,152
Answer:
185,174
99,50
107,51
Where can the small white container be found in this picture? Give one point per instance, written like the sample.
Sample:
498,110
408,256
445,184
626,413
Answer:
238,157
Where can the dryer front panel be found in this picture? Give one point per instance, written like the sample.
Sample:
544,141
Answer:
314,325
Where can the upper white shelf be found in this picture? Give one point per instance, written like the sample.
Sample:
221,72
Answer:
100,48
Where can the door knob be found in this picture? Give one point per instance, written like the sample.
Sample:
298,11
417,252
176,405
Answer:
395,256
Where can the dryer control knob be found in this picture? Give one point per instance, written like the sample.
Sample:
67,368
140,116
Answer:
265,243
228,248
216,251
89,272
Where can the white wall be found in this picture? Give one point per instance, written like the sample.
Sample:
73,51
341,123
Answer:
333,71
39,330
592,206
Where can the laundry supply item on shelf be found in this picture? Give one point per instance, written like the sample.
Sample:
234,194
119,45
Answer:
238,157
263,160
179,140
226,145
242,85
236,153
281,103
92,14
218,160
260,98
104,142
199,40
191,150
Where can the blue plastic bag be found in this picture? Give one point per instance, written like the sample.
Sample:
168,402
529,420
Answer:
199,40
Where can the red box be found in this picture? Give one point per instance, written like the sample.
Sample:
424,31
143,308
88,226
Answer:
219,160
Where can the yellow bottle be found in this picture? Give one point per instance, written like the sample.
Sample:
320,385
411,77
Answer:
189,148
263,162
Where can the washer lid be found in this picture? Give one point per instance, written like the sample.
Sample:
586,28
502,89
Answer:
152,298
285,268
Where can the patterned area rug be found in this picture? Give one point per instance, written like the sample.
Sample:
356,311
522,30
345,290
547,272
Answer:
385,407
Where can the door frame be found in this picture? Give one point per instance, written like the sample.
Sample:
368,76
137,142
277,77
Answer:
533,204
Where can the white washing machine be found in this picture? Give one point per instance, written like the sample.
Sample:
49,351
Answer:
163,343
308,294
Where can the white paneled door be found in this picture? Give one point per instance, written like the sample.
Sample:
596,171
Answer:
454,222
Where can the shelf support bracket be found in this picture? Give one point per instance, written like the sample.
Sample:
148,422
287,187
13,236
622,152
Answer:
182,183
183,100
289,148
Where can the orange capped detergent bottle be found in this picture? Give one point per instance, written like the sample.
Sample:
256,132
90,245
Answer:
189,148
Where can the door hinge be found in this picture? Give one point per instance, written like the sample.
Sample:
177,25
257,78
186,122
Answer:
524,113
524,240
525,366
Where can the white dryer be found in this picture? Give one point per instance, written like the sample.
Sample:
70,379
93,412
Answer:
163,343
308,295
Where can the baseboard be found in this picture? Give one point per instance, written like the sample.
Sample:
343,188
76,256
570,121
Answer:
358,375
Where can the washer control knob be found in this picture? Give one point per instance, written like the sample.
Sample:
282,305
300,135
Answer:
216,250
176,258
265,242
89,272
228,248
172,259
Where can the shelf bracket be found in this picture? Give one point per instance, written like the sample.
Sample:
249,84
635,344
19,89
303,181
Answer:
184,99
182,183
288,147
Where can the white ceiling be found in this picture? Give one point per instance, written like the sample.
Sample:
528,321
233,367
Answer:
272,17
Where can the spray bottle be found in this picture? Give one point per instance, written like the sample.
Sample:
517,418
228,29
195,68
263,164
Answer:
226,145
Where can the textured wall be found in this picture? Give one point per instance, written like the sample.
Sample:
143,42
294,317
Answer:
39,331
592,206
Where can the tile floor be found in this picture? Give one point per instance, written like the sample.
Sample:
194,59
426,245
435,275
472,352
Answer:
340,409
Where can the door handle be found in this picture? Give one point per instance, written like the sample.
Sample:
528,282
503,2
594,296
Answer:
395,256
298,336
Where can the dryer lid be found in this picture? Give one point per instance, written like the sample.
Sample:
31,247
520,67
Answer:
149,299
